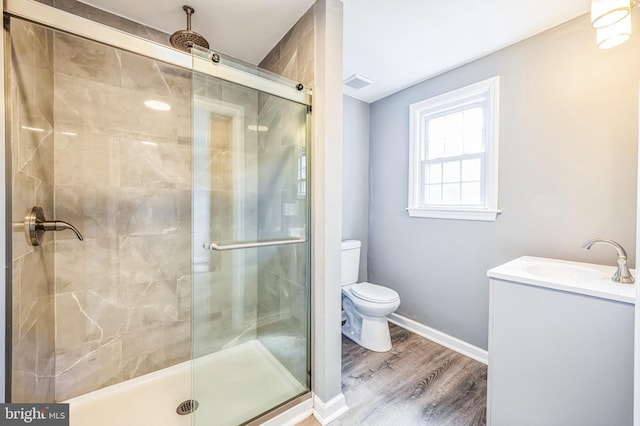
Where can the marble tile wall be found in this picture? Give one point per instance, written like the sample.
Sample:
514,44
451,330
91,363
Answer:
31,130
123,177
293,56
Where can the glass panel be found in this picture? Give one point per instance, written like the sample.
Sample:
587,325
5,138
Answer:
436,148
473,120
471,193
471,170
31,161
451,193
88,147
434,194
454,124
474,142
453,134
474,130
434,173
436,128
250,306
453,146
451,171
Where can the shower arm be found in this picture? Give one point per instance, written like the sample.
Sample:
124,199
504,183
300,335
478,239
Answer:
35,225
189,10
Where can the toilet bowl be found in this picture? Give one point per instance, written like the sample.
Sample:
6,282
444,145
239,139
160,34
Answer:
365,305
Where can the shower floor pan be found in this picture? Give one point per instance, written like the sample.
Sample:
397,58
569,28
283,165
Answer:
230,386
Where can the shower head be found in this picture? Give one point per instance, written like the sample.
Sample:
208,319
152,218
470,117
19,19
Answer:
186,39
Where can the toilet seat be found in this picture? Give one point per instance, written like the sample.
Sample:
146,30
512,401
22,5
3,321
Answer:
374,293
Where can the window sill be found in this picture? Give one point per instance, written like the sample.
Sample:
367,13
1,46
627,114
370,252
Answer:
455,214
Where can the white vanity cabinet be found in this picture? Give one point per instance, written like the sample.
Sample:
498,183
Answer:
560,345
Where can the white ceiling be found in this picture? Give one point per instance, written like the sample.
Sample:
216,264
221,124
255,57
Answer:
395,43
244,29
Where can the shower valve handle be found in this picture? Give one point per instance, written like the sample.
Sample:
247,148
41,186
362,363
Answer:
35,225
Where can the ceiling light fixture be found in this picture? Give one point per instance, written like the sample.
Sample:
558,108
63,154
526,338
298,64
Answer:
612,21
614,34
607,12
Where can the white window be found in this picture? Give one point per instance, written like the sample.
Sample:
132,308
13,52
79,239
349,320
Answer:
453,171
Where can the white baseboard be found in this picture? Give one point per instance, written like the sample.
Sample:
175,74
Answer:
292,416
326,412
441,338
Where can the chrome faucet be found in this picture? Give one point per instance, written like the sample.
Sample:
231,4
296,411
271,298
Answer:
622,275
35,225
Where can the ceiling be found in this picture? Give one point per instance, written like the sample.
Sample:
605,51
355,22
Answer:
244,29
395,43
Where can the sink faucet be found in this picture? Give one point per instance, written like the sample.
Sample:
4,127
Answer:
622,275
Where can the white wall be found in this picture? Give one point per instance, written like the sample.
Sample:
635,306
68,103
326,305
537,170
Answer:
326,201
568,160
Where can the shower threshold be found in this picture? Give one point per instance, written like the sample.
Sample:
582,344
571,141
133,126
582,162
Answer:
231,386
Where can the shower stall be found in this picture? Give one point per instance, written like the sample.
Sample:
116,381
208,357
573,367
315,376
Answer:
186,179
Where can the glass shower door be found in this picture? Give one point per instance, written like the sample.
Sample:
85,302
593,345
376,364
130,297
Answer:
251,270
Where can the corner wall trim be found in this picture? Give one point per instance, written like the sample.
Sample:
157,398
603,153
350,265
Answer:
441,338
326,412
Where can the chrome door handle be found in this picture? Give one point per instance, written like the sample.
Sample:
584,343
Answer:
35,225
252,244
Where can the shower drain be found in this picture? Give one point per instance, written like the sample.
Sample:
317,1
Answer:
186,407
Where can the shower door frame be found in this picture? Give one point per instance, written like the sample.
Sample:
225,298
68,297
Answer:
5,249
62,21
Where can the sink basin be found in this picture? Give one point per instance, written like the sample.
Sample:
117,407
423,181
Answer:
574,277
565,273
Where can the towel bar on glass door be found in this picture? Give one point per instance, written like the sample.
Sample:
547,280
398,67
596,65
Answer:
252,244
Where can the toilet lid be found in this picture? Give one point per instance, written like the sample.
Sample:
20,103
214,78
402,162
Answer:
374,293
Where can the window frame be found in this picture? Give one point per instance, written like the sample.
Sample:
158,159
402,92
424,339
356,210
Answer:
485,92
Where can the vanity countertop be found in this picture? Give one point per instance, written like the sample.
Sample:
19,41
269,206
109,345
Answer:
574,277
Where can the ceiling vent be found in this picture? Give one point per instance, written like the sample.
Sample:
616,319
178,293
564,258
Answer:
357,81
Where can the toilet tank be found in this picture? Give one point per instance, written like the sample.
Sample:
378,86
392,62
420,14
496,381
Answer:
350,261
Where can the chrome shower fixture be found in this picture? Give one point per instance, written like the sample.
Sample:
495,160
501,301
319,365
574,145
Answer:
186,39
35,225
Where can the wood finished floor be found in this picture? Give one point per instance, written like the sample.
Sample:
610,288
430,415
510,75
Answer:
418,382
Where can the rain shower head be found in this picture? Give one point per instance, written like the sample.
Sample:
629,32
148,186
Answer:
186,39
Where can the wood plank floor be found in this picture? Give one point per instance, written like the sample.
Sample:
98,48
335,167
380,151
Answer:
418,382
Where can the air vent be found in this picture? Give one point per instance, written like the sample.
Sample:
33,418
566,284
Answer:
187,407
357,81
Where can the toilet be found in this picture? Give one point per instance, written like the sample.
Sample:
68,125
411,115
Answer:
365,305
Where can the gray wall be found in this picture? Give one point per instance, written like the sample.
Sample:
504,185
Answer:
355,176
568,154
